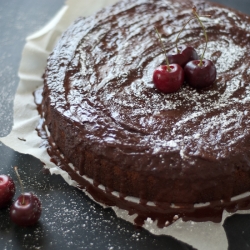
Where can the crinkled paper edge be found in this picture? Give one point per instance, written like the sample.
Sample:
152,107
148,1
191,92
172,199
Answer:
203,235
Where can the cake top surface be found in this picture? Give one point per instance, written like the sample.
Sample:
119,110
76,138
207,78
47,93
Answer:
100,77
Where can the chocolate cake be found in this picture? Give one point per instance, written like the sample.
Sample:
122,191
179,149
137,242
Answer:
156,155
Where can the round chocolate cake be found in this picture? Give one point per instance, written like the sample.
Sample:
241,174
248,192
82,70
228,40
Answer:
154,154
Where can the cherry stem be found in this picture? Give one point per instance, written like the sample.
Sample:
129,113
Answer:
177,38
21,184
163,49
205,34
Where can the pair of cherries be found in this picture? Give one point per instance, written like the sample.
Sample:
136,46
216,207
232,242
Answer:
26,210
184,65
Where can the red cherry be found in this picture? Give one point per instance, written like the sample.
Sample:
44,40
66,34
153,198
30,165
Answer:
200,76
26,210
168,81
185,55
7,190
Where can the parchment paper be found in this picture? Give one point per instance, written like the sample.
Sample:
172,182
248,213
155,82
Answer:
203,235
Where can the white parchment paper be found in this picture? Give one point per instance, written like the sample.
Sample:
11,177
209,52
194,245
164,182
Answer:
204,236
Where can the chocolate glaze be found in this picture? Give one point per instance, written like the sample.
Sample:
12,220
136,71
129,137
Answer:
106,117
164,213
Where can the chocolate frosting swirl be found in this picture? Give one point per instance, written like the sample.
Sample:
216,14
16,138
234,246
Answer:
99,77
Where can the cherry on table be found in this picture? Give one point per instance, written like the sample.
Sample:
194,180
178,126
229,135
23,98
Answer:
184,55
200,74
26,210
7,190
168,80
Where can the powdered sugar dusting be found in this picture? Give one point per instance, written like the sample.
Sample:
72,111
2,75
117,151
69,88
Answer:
228,54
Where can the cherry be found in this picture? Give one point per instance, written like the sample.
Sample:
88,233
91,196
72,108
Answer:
168,78
168,81
183,55
26,210
7,190
200,73
200,76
